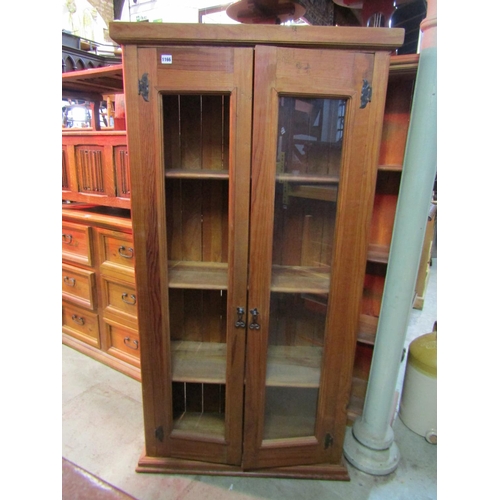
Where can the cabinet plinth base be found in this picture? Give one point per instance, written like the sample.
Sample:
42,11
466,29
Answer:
161,465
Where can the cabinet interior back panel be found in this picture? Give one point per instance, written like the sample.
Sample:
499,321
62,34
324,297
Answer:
197,220
196,132
198,315
303,230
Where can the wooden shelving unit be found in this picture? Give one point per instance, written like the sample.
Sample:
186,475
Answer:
402,75
185,274
253,172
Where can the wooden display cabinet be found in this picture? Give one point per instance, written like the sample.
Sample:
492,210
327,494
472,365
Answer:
402,75
253,153
99,301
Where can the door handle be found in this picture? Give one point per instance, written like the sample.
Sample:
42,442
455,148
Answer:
254,325
240,323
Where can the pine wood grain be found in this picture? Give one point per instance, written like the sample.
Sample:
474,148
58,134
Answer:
341,37
335,239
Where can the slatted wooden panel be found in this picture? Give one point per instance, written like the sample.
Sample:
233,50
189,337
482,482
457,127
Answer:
303,231
196,131
197,220
122,171
198,315
89,162
297,319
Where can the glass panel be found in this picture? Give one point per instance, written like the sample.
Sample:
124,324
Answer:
310,133
308,161
196,190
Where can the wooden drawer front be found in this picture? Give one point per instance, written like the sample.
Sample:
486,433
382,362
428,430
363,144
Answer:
78,286
76,243
81,324
123,342
117,253
120,299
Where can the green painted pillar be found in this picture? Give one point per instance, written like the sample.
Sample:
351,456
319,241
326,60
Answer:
370,445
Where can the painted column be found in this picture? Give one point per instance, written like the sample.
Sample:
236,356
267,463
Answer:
369,445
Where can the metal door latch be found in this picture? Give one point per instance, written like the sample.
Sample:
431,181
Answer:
240,323
366,94
254,325
144,87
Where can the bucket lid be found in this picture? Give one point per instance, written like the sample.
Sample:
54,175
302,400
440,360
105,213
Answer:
423,354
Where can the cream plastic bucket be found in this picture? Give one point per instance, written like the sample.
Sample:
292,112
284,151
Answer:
418,407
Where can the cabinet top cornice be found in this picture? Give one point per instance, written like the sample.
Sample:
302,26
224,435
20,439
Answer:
340,37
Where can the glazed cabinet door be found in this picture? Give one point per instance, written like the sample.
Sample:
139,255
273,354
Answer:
315,137
192,150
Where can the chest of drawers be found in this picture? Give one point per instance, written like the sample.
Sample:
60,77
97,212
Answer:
99,299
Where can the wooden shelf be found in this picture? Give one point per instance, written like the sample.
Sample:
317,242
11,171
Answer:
300,279
316,192
205,363
390,168
213,276
404,64
94,82
378,253
321,179
367,329
197,423
198,362
197,174
197,275
293,366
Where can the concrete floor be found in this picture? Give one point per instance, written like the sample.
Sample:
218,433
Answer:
102,433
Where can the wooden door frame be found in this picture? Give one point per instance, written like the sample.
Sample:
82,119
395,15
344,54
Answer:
356,192
150,236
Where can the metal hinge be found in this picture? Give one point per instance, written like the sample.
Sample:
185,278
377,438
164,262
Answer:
159,433
328,440
144,87
366,94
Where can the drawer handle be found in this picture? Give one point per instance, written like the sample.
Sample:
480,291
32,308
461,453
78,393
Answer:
78,319
125,252
127,341
129,302
67,238
69,281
